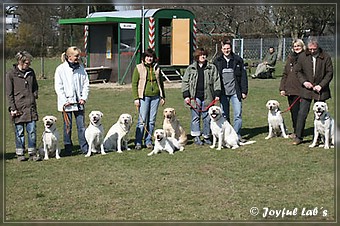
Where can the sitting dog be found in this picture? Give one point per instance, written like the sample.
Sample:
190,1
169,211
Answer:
94,133
323,125
118,134
222,131
50,138
172,127
275,120
164,143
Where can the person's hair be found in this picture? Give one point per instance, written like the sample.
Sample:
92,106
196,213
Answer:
313,40
299,42
150,53
199,52
22,56
69,51
226,42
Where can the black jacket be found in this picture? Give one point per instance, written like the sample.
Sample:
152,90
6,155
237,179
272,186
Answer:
240,74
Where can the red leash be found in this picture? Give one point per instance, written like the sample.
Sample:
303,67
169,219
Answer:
290,107
199,106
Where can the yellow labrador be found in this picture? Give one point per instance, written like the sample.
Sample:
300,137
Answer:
50,138
275,120
323,125
222,131
172,126
164,143
94,133
118,134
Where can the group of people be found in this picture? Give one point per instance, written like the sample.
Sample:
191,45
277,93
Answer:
306,77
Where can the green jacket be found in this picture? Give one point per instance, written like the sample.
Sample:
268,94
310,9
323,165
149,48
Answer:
212,83
145,85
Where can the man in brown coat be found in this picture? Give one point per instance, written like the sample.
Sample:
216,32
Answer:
315,72
22,92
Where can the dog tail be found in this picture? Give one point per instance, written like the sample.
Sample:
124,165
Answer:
247,142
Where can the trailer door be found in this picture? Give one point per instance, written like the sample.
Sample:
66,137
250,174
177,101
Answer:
180,45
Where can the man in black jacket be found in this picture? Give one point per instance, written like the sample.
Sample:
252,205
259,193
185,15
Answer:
234,83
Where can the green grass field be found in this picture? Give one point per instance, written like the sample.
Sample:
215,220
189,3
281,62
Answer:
199,184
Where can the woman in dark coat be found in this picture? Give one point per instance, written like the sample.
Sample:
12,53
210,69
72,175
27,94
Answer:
290,85
22,92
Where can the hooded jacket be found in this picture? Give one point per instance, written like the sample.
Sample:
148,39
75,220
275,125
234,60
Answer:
22,92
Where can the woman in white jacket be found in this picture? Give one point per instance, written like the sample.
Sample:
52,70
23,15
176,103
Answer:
71,84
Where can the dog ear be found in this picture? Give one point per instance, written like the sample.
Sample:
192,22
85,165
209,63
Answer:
326,107
54,118
174,112
101,114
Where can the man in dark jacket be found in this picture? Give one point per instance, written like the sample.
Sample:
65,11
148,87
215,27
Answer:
234,83
22,91
315,72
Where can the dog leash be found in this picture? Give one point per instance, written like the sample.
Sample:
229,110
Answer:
199,106
290,107
67,119
143,122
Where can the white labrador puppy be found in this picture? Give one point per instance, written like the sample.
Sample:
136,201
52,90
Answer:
222,131
118,134
275,120
94,133
164,143
50,138
172,126
323,125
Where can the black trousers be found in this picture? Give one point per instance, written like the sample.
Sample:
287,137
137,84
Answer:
294,111
302,116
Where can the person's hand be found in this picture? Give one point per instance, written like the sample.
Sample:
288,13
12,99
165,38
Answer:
187,100
283,93
217,98
137,103
317,88
244,96
308,85
67,104
82,102
162,101
14,113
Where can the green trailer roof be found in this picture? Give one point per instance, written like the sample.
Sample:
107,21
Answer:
128,16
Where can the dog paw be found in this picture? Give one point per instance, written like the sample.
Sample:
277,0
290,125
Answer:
150,154
119,151
103,153
286,136
326,147
87,155
129,149
218,149
268,137
181,149
46,158
312,146
58,157
212,146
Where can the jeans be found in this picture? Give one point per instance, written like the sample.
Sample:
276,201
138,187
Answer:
196,115
237,109
147,118
79,115
20,137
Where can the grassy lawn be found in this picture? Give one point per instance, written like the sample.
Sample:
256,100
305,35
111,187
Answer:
199,184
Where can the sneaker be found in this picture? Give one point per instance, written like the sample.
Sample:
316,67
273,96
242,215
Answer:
207,141
21,158
297,141
292,135
149,146
253,76
198,141
242,140
34,157
138,147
